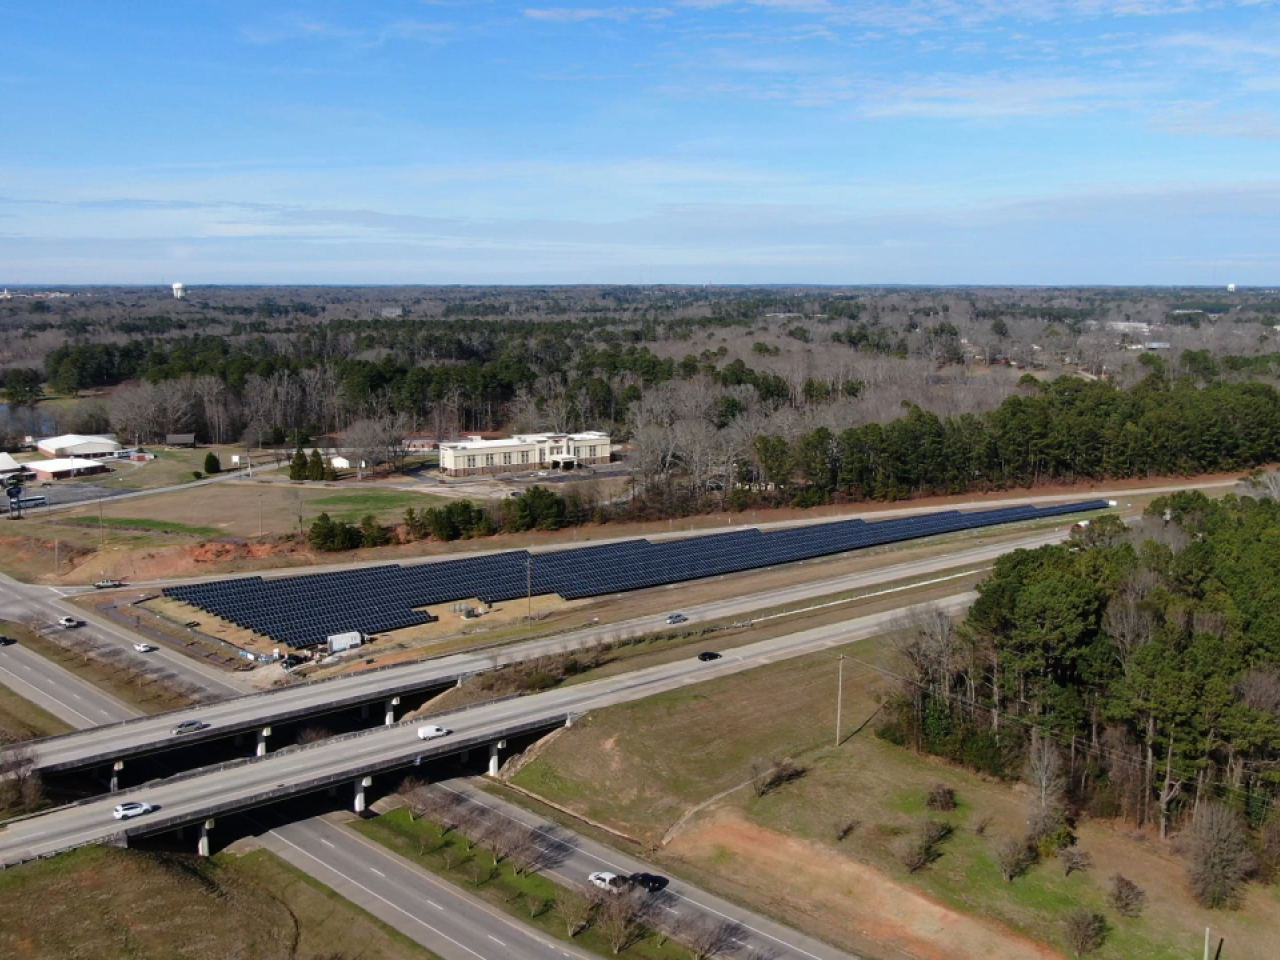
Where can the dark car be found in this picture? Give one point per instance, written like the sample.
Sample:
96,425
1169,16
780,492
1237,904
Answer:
706,655
5,641
649,881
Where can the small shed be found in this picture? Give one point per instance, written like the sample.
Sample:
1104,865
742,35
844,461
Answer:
180,440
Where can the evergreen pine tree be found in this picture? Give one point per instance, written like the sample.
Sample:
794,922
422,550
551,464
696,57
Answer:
315,466
298,465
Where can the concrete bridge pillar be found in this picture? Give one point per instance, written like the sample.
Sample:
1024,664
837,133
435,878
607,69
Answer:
364,711
262,741
115,775
202,845
391,710
360,787
494,763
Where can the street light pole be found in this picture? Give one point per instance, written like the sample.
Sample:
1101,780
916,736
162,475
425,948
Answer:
839,695
528,571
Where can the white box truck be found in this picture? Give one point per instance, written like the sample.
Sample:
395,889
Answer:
341,642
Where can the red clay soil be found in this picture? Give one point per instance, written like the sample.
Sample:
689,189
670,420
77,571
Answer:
234,556
844,902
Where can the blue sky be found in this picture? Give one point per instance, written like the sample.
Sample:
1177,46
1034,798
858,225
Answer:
695,141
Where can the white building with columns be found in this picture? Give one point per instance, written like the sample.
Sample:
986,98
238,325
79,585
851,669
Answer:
473,456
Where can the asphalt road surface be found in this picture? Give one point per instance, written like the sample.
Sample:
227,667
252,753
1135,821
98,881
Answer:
20,601
681,902
262,709
58,691
424,908
241,785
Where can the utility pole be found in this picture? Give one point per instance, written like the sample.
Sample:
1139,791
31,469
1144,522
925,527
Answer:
839,695
528,571
259,513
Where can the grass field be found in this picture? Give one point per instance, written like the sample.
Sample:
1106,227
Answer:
170,467
146,696
145,524
640,767
21,719
381,503
109,904
527,898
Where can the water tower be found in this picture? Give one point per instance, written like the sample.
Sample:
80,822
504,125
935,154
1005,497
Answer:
1231,288
179,291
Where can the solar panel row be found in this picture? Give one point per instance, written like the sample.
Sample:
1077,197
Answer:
303,611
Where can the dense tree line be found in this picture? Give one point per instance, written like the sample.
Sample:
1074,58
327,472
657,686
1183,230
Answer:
1067,430
1147,661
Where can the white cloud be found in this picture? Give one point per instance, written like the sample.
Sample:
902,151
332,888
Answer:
584,14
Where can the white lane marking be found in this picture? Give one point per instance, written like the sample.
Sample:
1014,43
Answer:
707,908
42,693
377,871
496,940
377,896
325,842
434,904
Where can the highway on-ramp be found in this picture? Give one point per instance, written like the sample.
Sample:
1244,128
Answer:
245,784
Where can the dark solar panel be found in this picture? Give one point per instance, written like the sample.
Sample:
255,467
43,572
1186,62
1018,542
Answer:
303,611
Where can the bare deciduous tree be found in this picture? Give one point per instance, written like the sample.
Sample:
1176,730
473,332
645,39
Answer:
1219,857
1085,931
621,921
1013,857
1074,860
1126,897
575,911
707,938
1048,784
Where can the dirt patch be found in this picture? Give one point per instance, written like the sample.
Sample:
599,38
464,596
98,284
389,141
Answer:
844,902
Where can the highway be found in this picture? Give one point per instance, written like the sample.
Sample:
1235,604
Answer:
258,710
679,901
428,910
58,691
210,793
21,601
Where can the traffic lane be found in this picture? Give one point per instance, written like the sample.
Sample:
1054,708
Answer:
678,900
424,908
190,797
281,701
57,690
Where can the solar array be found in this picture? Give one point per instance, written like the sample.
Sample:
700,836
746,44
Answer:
304,611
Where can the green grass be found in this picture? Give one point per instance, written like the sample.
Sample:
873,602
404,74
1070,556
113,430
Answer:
110,904
352,506
637,767
145,524
529,899
20,719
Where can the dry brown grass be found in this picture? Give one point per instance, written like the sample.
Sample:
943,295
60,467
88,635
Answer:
105,904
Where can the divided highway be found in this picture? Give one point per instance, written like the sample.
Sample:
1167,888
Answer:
254,711
245,784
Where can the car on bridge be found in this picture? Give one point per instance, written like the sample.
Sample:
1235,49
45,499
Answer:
190,726
131,809
108,584
677,618
432,732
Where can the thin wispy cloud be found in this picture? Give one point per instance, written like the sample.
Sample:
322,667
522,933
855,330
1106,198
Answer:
583,14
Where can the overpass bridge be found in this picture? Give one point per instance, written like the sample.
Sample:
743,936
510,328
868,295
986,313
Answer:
384,692
199,797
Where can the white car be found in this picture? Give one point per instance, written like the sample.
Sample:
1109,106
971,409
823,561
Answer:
609,881
433,732
69,622
143,647
134,808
